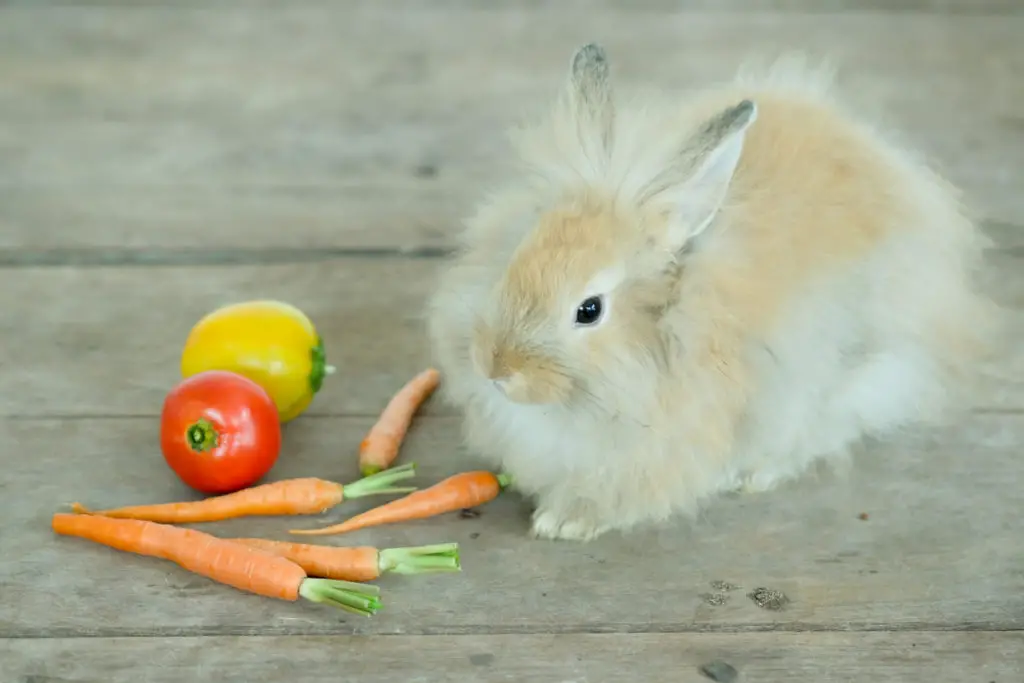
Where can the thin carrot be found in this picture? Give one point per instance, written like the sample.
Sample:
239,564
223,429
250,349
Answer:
288,497
362,563
234,564
382,443
463,490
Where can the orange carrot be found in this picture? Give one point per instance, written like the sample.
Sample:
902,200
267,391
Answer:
380,447
362,563
288,497
233,564
463,490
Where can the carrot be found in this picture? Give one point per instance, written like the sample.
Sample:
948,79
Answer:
463,490
234,564
288,497
380,447
362,563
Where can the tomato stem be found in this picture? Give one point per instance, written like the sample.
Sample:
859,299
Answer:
320,367
201,436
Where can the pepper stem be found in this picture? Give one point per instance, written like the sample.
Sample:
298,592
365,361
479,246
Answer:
443,557
381,483
318,355
201,436
358,598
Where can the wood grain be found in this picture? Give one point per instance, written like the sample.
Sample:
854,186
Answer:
168,125
760,657
108,340
939,549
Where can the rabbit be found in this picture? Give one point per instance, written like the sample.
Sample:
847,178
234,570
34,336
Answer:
676,299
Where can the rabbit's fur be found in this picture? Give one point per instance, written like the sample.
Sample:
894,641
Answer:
778,282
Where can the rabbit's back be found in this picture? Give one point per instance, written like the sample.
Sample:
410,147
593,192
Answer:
848,268
822,192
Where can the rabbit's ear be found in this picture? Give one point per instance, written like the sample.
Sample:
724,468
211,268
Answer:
589,95
695,186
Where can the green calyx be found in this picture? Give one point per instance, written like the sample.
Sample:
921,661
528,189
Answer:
370,470
320,369
381,482
201,436
424,559
358,598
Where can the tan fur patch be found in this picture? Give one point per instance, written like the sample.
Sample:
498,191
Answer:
568,245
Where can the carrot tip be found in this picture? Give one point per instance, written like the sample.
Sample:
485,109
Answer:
80,509
504,479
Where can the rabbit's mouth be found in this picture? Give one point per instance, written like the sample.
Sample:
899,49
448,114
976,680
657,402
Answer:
525,378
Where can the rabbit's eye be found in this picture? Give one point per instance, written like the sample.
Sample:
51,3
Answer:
589,312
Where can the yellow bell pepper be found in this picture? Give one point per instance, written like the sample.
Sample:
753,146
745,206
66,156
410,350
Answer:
272,343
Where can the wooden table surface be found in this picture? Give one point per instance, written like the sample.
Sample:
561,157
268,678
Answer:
158,159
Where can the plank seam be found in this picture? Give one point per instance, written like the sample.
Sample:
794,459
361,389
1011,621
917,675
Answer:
112,257
82,417
556,629
1006,8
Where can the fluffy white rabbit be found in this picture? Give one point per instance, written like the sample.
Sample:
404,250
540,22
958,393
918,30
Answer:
681,298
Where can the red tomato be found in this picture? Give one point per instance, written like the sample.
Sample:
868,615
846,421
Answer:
219,431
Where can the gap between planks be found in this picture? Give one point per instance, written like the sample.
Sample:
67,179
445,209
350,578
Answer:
681,628
110,257
443,415
784,7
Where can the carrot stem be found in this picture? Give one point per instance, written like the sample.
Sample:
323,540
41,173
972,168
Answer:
380,483
358,598
443,557
463,490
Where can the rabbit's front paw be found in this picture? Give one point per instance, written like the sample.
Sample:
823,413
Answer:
571,523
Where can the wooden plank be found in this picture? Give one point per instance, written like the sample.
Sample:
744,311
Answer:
761,657
171,125
396,212
108,340
939,549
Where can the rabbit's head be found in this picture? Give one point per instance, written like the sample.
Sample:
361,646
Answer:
572,310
